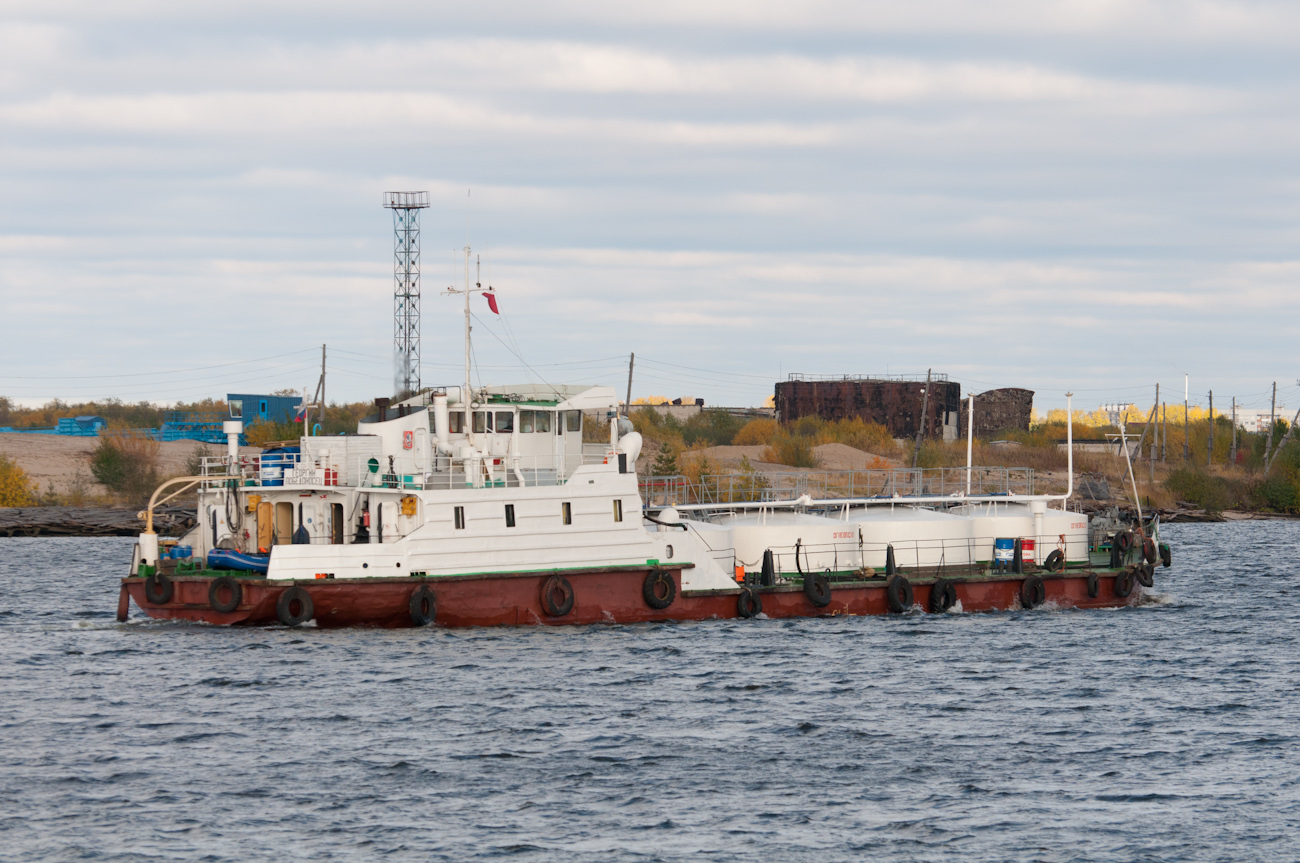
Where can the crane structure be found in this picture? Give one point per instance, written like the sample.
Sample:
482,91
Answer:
406,207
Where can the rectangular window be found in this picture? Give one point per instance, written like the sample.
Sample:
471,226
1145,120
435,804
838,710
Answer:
458,514
559,423
457,422
566,512
510,515
505,422
482,422
575,421
237,409
525,422
618,510
543,419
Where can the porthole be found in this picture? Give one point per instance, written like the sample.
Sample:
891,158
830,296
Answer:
668,552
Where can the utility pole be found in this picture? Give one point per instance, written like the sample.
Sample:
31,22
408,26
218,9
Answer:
1164,431
1187,444
322,388
1272,421
1155,435
1210,443
630,362
1232,459
925,414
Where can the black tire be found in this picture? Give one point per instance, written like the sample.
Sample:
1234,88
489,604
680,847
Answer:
423,606
557,596
1033,592
898,594
749,603
1149,552
1123,585
158,589
1055,561
817,587
1123,541
1166,556
1094,585
1146,574
294,607
659,590
943,596
230,588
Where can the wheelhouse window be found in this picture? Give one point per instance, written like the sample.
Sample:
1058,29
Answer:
618,510
458,516
510,515
542,420
482,422
456,419
505,422
525,422
566,512
574,421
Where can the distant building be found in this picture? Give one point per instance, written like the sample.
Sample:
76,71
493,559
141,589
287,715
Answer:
259,408
1256,419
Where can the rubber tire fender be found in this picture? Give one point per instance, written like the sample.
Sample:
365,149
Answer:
219,584
159,589
557,596
1094,585
1123,585
1055,561
898,594
943,596
1149,552
1033,592
817,587
1123,541
1146,574
422,606
1166,556
658,590
294,596
749,603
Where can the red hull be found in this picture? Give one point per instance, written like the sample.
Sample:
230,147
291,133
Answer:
599,596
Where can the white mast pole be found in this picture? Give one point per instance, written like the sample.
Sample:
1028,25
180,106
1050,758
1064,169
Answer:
970,437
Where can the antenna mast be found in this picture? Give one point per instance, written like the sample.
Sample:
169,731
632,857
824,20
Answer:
406,208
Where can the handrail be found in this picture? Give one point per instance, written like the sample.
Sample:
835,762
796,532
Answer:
190,481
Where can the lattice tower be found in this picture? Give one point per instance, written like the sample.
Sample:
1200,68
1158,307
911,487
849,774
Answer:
406,208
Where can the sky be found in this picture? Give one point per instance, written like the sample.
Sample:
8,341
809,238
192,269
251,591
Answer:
1085,196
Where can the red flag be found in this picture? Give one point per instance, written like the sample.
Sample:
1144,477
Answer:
492,302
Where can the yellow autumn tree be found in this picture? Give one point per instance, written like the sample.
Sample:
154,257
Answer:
15,486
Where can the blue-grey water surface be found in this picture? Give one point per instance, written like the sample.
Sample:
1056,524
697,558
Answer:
1165,732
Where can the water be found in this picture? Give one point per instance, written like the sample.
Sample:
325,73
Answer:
1165,732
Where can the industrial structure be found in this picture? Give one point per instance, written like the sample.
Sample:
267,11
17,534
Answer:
901,403
406,208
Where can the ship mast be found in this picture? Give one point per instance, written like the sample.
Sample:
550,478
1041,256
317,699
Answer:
468,328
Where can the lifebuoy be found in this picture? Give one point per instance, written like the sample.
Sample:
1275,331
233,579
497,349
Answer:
1033,592
1146,574
817,587
943,596
659,590
225,594
294,607
1123,585
423,606
158,589
1055,561
557,596
898,594
1166,555
749,603
1149,553
1094,585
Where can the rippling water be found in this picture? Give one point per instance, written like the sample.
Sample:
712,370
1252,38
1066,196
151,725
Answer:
1165,732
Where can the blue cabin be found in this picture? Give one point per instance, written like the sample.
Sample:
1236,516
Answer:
258,408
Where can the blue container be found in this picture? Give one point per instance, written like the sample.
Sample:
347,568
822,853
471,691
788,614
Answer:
180,552
275,462
1004,550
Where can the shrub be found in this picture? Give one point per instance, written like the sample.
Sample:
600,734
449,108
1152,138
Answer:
16,487
715,428
665,464
756,432
262,433
127,465
1195,485
794,450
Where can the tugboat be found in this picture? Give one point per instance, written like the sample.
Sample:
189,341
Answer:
482,506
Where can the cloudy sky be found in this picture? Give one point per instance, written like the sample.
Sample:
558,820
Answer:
1092,196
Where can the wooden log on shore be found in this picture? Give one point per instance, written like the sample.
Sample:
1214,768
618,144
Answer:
91,521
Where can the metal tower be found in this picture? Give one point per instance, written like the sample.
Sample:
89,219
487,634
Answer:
406,207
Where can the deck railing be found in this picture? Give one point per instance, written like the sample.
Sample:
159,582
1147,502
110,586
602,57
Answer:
903,482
